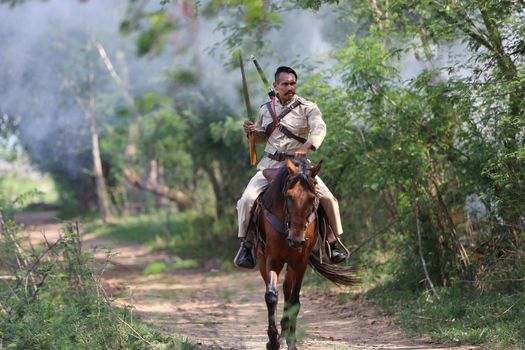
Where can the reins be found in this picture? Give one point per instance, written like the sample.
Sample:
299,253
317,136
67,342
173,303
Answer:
313,214
283,228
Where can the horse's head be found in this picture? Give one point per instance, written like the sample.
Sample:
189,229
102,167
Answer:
301,200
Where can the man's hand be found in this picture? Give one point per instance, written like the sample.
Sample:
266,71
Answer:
303,151
248,127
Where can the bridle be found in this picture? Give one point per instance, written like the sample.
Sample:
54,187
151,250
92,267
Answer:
277,224
313,214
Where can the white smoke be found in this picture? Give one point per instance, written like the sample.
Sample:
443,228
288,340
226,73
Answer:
41,43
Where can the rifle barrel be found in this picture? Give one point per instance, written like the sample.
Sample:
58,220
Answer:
251,136
245,90
271,91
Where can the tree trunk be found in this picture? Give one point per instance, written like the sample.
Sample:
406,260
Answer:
219,209
103,201
153,182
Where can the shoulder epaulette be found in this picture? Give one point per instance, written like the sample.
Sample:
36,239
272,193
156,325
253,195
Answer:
304,100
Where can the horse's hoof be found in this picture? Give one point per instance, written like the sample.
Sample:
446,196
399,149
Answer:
273,346
291,345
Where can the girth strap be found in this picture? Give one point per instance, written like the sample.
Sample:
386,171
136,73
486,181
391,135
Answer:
276,123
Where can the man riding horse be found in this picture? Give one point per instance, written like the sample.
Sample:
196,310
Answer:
289,126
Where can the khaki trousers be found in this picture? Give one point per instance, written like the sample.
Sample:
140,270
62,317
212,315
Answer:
258,183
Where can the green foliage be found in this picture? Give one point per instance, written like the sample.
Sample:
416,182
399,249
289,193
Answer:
7,146
425,112
14,184
244,23
313,4
198,148
55,301
190,236
154,37
217,147
155,268
461,314
414,151
160,267
155,28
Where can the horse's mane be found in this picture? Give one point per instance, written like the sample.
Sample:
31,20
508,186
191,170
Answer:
304,175
274,195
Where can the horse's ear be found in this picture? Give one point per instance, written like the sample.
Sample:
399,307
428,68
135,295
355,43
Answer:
316,169
292,168
271,173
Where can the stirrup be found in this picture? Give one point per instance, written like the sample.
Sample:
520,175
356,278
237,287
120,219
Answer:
244,257
337,256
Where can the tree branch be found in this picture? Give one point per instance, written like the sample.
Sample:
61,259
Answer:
76,94
476,35
178,197
107,62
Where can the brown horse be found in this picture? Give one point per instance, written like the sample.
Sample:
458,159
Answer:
287,223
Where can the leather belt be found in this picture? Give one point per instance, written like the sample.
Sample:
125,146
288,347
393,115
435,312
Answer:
279,156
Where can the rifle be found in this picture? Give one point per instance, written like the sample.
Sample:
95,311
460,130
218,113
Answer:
271,92
251,136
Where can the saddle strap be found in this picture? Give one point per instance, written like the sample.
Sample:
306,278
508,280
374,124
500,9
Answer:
277,118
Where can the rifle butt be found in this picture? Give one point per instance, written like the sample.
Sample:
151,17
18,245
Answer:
253,154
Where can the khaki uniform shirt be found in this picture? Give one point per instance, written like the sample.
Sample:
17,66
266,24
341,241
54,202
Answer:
305,120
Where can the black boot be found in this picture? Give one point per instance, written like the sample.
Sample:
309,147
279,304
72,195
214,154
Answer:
244,257
338,256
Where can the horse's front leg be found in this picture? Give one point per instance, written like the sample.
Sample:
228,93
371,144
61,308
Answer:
287,289
292,305
271,298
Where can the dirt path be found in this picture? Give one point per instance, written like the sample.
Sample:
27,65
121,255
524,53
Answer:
226,309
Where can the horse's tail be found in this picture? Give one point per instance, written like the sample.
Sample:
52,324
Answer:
341,275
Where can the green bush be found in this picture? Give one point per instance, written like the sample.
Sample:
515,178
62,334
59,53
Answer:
54,301
459,313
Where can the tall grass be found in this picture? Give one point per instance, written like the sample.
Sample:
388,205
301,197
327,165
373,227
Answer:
462,314
51,298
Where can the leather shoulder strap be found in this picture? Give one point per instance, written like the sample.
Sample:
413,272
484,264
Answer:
276,122
290,134
269,129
